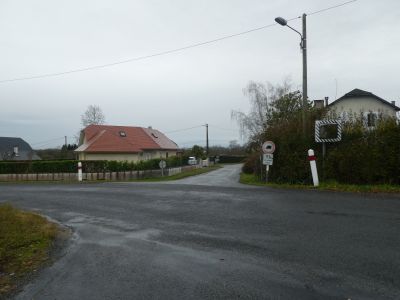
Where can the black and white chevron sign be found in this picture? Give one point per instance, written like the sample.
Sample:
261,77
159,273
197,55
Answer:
321,123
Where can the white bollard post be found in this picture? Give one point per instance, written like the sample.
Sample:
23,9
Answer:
79,171
313,165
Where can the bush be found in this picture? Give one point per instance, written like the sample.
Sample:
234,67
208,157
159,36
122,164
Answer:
252,164
231,159
88,166
366,156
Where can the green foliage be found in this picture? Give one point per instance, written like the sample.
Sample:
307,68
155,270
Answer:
90,166
252,164
366,156
198,152
231,159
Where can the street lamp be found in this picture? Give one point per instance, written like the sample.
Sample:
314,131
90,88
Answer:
303,46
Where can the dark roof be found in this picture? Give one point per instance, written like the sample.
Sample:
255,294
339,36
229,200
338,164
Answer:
360,93
25,151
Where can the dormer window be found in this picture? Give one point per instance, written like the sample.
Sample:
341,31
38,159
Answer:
154,135
16,151
122,134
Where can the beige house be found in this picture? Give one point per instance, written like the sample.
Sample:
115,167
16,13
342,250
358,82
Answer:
365,104
124,143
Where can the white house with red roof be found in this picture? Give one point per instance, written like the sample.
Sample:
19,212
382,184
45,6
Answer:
124,143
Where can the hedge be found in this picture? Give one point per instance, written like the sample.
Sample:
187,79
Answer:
89,166
231,159
364,156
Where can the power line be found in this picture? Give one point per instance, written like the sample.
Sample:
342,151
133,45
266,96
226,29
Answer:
226,129
83,69
329,8
183,129
47,141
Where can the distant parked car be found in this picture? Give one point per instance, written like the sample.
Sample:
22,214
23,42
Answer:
192,160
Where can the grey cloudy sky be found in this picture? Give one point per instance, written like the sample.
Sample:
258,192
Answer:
358,45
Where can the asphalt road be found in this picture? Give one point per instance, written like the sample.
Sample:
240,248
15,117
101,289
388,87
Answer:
206,238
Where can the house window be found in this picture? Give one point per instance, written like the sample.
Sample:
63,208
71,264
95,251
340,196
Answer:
122,134
154,135
371,120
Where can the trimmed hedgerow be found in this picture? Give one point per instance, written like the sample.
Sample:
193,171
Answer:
364,156
90,166
231,159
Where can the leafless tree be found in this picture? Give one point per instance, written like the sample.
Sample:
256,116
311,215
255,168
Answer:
93,115
261,97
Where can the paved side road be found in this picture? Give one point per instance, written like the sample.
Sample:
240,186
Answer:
228,176
191,241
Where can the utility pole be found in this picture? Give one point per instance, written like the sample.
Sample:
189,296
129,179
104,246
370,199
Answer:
303,46
305,94
206,139
65,137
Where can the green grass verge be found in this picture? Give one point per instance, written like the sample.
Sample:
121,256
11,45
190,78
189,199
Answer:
327,186
182,175
25,240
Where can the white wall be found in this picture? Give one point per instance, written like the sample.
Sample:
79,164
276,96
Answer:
362,104
134,157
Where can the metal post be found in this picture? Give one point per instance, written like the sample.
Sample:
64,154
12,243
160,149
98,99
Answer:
266,173
305,94
207,139
323,160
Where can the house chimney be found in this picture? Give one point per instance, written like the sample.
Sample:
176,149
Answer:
326,101
394,102
319,104
150,127
16,151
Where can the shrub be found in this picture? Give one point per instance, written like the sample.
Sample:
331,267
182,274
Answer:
88,166
231,159
252,164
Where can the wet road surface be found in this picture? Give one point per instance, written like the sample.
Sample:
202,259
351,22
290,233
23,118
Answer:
209,237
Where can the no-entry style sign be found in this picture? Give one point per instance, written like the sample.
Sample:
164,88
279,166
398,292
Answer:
162,164
268,147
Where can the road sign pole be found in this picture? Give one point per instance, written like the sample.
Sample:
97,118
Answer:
266,173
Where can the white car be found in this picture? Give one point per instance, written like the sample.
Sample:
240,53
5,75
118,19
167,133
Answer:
192,160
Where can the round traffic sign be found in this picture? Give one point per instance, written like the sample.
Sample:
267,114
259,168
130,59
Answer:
268,147
162,164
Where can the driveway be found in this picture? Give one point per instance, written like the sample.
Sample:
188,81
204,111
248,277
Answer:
184,240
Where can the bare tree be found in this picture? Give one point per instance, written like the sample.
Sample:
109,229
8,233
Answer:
261,98
93,115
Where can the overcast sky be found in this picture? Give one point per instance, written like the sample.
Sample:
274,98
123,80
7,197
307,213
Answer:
357,44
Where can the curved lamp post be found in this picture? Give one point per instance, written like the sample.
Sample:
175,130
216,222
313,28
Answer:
303,46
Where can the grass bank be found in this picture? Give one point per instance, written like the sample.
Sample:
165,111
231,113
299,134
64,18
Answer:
25,240
327,186
182,175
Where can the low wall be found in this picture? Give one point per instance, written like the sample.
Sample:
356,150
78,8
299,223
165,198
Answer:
109,176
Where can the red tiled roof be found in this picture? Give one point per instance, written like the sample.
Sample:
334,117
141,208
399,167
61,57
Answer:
160,139
105,138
